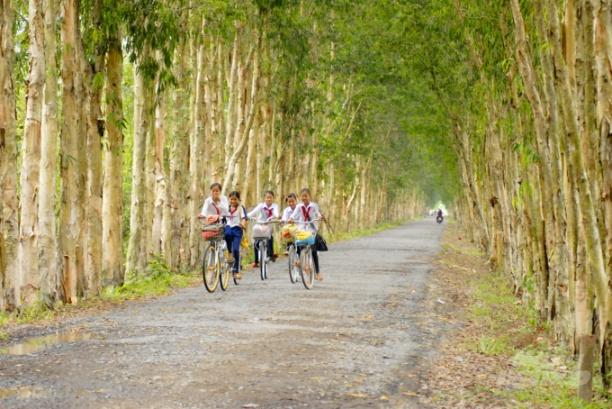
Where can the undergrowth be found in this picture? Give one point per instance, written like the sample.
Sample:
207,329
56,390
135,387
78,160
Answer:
511,328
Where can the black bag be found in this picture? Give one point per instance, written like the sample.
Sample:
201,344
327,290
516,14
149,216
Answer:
320,243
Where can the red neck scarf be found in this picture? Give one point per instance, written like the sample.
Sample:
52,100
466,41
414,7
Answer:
306,213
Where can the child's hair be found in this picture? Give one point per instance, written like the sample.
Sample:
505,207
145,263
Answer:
290,196
269,192
216,184
305,190
234,194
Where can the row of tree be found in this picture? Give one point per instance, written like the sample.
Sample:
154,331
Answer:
529,96
115,116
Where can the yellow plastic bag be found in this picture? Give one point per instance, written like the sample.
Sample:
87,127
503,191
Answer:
302,235
244,243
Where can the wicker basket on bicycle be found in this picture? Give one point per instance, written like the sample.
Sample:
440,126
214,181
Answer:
213,229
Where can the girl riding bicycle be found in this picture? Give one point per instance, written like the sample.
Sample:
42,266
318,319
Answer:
216,204
234,229
291,201
265,212
304,213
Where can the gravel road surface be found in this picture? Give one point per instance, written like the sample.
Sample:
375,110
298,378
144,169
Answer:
357,340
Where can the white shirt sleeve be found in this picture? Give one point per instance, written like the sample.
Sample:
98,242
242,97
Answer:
287,214
205,206
297,213
275,211
254,212
224,205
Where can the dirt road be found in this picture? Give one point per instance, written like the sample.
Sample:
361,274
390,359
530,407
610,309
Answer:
357,340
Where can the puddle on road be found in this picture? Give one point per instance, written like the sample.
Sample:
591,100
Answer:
37,344
21,392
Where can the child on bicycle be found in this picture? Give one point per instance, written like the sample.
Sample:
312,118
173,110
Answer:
265,212
304,214
234,229
291,201
216,204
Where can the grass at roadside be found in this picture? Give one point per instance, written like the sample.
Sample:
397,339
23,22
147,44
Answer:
158,281
501,356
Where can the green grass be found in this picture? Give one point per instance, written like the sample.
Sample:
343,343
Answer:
553,380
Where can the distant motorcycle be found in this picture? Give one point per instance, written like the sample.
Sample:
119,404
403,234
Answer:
440,219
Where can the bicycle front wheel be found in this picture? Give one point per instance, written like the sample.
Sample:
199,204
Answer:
210,269
294,270
225,269
307,268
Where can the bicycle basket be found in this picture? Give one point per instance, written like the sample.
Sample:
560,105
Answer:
262,231
212,232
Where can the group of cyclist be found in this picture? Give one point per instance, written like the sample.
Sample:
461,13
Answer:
235,216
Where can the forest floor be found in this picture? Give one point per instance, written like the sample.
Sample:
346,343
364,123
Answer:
404,319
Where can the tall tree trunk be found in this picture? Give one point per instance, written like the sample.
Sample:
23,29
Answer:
112,200
47,247
177,237
161,199
95,134
9,229
69,228
136,246
195,157
28,227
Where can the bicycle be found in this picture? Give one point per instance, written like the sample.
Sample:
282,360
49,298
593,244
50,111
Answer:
306,263
215,267
261,246
293,260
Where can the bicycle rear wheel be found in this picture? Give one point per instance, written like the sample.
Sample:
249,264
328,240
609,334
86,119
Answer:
307,268
294,271
210,269
225,271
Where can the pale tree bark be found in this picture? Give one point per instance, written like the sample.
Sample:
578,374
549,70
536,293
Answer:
243,136
47,247
585,202
69,228
112,200
9,230
602,44
195,157
136,257
177,238
28,227
161,199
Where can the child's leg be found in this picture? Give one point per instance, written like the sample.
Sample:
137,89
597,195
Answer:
271,246
315,257
256,252
236,250
228,238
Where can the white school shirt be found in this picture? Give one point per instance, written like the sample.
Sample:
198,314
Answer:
234,218
262,212
313,213
212,209
287,214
